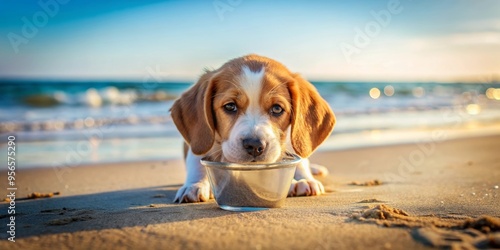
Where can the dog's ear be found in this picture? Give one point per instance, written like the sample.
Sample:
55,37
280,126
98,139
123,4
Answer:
193,116
312,119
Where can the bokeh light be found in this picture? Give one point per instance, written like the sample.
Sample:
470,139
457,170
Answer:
89,122
418,92
493,93
374,93
389,90
489,93
496,94
473,109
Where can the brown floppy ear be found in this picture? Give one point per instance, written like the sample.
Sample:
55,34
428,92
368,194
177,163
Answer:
312,119
193,116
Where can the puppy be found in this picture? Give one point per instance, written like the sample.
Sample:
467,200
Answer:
252,109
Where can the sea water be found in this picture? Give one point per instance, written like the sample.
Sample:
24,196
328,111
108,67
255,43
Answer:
77,123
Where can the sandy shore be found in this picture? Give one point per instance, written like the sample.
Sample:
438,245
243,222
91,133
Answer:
437,186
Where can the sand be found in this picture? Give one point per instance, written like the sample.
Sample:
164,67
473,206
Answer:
443,194
457,233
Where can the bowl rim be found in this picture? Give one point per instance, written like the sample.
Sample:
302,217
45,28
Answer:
294,159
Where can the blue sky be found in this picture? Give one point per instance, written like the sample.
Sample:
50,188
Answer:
174,40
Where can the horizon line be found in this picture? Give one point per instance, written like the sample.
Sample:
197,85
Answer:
492,80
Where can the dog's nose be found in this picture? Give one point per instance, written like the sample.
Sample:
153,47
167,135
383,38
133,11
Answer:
253,146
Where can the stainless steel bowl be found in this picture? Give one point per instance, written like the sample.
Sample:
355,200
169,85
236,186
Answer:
252,186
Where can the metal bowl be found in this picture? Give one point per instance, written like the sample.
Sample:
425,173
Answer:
252,186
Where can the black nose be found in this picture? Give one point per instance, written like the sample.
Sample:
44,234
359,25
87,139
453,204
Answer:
253,146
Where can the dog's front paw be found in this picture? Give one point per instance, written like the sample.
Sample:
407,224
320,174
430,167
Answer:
305,187
194,192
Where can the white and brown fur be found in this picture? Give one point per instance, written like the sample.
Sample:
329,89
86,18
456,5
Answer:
252,109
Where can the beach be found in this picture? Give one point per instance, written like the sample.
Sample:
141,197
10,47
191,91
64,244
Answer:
438,184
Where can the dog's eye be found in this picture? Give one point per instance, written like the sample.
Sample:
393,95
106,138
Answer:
276,110
230,107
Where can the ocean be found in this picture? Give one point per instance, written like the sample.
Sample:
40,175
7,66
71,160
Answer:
74,123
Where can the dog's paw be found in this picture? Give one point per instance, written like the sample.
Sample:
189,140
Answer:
305,187
194,192
318,170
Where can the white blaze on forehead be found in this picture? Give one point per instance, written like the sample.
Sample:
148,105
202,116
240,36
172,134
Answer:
254,122
251,83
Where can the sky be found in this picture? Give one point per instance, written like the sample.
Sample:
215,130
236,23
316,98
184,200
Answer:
382,40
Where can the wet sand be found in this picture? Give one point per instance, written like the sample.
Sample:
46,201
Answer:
129,206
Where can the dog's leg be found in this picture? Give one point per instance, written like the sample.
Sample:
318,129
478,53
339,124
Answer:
304,183
196,188
318,169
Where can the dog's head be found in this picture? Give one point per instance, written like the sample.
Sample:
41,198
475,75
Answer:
248,109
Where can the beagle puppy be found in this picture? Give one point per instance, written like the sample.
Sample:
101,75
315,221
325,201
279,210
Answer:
252,109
